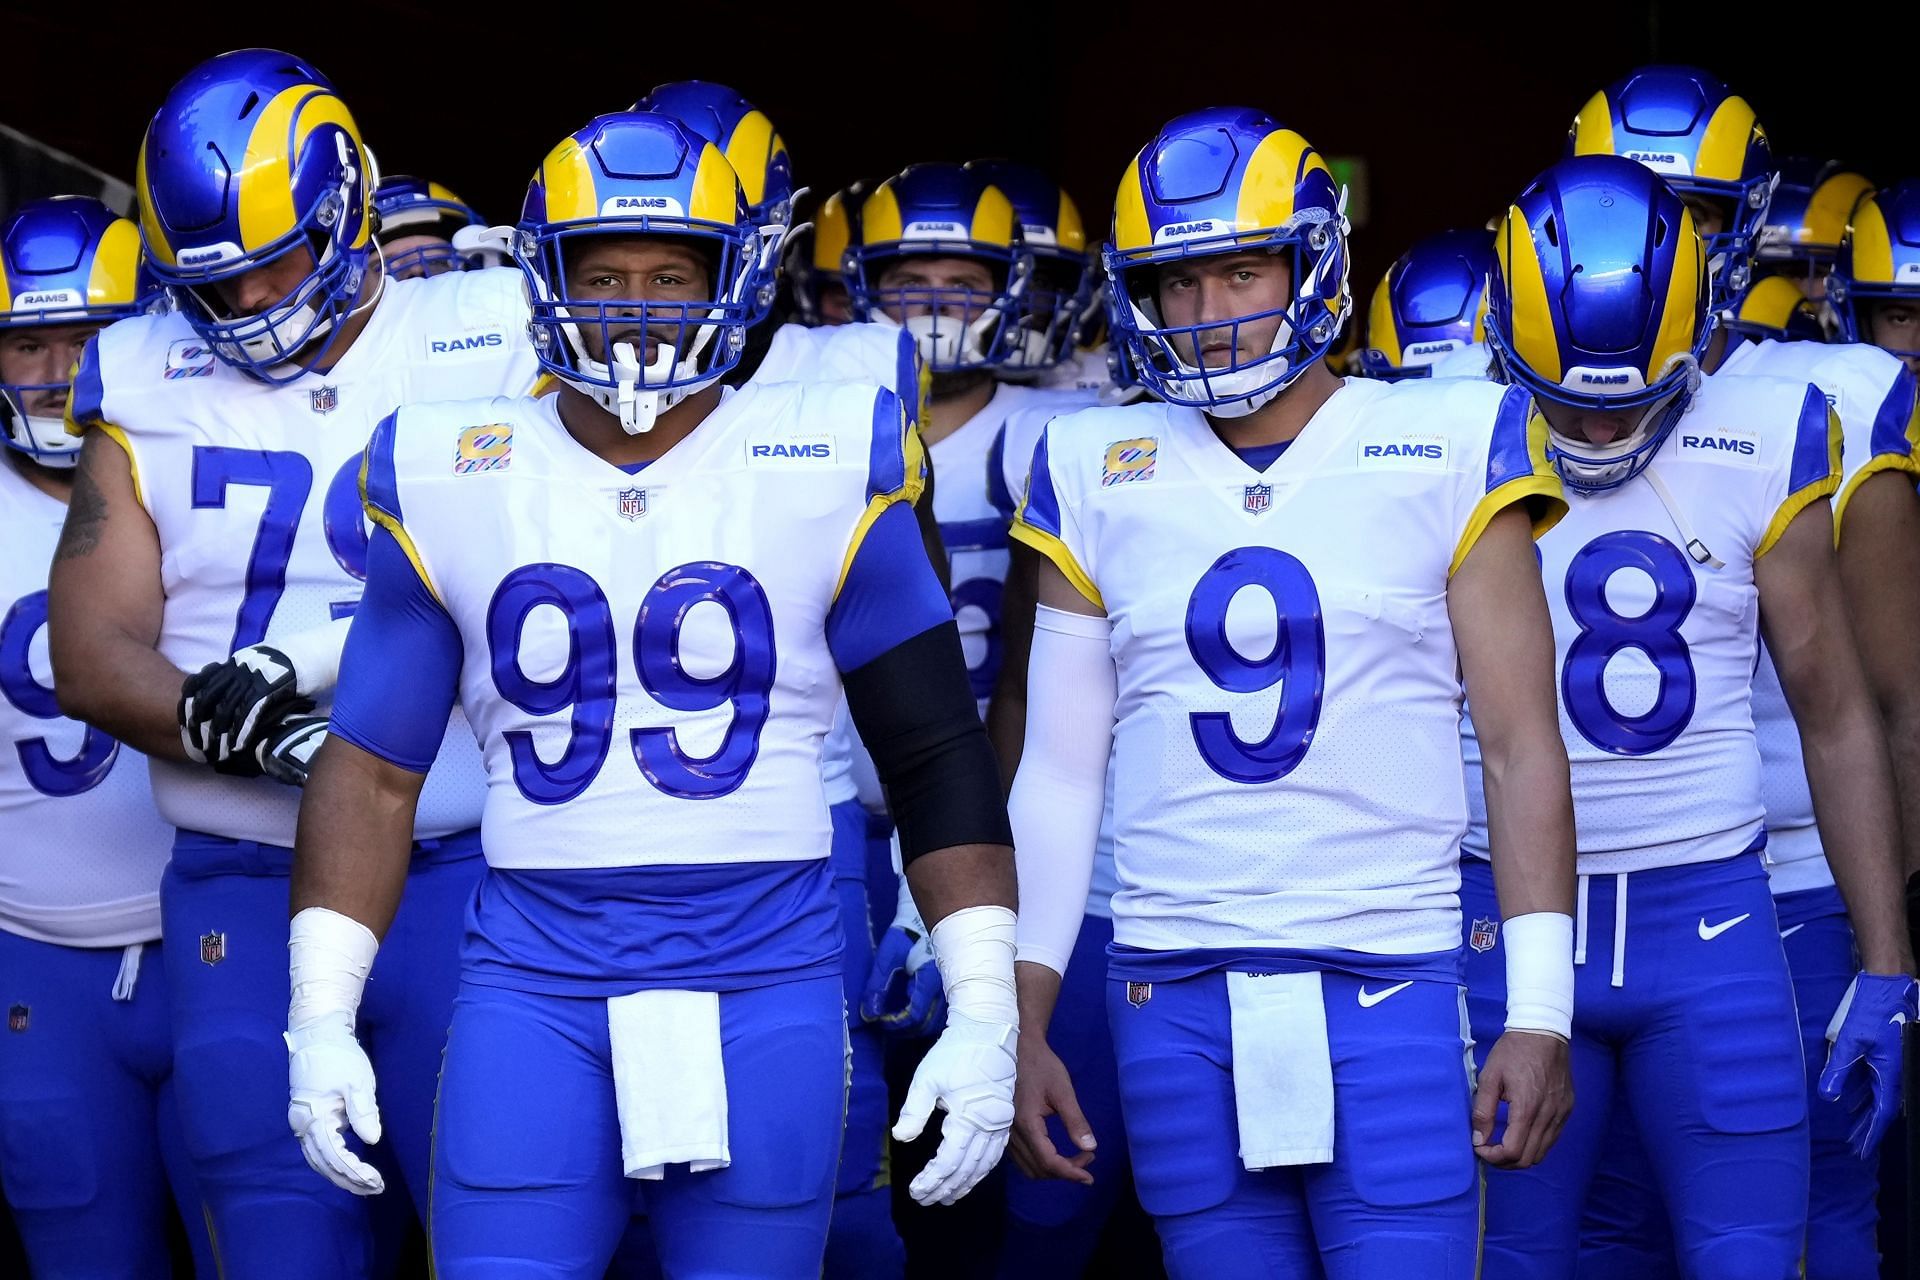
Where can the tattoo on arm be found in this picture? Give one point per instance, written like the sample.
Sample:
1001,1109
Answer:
86,513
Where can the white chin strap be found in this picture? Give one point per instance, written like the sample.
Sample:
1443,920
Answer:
947,340
1606,464
630,398
1193,382
52,446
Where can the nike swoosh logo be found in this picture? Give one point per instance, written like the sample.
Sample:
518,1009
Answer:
1368,999
1708,932
1788,933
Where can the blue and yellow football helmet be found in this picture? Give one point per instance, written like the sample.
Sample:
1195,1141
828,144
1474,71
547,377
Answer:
407,206
69,260
1808,216
1227,180
1053,310
1692,130
816,256
1430,302
942,211
252,156
1773,307
759,158
1879,260
637,174
1599,300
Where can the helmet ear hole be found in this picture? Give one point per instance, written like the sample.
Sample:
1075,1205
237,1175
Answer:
1659,232
1550,228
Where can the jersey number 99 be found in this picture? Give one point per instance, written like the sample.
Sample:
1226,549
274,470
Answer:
46,772
588,682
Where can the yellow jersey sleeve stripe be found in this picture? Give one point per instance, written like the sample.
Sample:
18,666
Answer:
876,507
1546,505
1797,501
119,437
1056,551
1904,463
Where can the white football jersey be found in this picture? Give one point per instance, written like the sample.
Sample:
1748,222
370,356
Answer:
636,641
973,528
1656,649
1873,395
254,490
81,859
876,354
1286,749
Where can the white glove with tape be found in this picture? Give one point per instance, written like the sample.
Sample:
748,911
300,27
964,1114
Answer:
330,1078
969,1072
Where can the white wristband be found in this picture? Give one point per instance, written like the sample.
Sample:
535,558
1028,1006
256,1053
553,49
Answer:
314,655
329,957
1540,973
974,949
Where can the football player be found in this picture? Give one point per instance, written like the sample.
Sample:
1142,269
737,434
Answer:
417,221
1873,285
1280,693
1431,304
215,529
1699,522
690,568
86,1097
1806,218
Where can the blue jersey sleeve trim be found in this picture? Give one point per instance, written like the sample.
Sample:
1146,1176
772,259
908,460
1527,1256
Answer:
379,487
86,406
1041,509
890,595
887,463
1896,427
997,492
1813,442
401,670
906,376
1510,454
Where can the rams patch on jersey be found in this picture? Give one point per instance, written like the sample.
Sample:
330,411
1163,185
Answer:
1721,443
1428,453
762,453
1128,461
488,447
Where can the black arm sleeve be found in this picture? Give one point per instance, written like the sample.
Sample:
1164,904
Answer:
917,716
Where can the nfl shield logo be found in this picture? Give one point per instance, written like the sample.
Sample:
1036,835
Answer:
324,399
1483,934
17,1017
213,948
633,503
1259,498
1138,993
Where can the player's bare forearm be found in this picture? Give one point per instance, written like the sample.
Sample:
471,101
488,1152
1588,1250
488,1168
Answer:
1505,638
104,608
1039,991
960,876
1880,571
355,835
1007,709
1849,772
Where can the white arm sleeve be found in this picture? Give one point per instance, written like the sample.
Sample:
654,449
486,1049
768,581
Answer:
315,655
1060,790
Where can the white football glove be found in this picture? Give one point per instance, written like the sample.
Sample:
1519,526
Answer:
332,1087
969,1072
330,1079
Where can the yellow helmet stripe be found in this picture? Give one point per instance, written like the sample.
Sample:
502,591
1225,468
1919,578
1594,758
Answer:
715,189
993,220
1267,183
1678,327
1593,128
1130,228
1069,231
265,180
150,227
1383,335
831,231
1872,244
880,216
1528,315
1829,207
115,278
567,177
751,148
1723,147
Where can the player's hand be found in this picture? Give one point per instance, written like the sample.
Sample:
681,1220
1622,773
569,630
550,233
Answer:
1530,1072
1866,1032
905,997
969,1074
1044,1088
332,1087
286,752
228,706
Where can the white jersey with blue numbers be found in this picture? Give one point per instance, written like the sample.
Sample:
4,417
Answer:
82,849
254,490
1286,749
876,354
1873,394
645,658
973,528
1655,648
